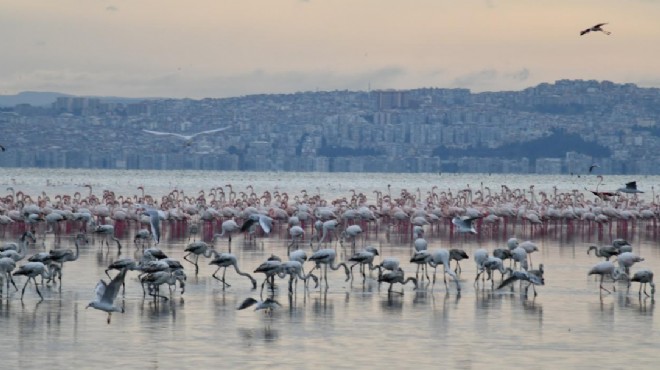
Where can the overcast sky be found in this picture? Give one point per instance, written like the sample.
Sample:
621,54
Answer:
221,48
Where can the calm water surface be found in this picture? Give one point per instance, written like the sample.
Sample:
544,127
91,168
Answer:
352,324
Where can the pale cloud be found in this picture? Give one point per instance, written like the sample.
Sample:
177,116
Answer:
470,80
520,75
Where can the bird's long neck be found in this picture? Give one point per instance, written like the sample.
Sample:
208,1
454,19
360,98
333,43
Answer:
238,271
210,252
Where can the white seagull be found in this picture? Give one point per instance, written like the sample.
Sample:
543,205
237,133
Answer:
464,225
187,138
106,294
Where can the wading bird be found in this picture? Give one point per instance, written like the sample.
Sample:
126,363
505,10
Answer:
643,277
225,260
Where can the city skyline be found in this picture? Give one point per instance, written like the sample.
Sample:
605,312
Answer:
224,48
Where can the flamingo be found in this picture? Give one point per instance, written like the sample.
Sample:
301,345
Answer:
327,257
106,295
422,259
457,255
60,256
199,248
351,233
31,270
364,257
224,260
155,279
602,269
297,233
643,277
387,263
121,264
7,265
269,268
107,231
606,251
441,257
16,251
294,269
392,277
626,260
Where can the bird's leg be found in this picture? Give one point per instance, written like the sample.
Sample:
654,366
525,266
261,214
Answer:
11,279
196,265
601,285
37,287
109,317
223,279
24,286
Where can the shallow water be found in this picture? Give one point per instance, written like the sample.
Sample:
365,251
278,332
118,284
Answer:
568,325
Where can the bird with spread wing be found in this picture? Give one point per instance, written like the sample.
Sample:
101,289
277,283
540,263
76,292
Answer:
187,138
595,28
106,294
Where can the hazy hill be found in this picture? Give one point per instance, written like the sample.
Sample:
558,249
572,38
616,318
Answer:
35,98
45,99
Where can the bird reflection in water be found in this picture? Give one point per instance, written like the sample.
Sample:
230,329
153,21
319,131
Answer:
266,334
644,304
422,296
156,309
393,304
321,306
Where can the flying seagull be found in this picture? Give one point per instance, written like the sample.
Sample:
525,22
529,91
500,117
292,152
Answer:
106,294
591,168
464,225
268,305
187,138
595,29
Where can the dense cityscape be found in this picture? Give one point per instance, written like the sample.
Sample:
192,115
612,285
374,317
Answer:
564,127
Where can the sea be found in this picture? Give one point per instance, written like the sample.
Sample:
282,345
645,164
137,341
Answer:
352,324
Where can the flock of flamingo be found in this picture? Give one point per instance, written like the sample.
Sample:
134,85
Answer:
323,224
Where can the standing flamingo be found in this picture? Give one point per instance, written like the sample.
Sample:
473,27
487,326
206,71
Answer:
327,257
224,260
199,248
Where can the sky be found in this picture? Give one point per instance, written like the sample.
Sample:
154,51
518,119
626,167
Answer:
224,48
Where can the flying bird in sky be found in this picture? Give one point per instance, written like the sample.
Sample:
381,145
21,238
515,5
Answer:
595,28
187,138
591,168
